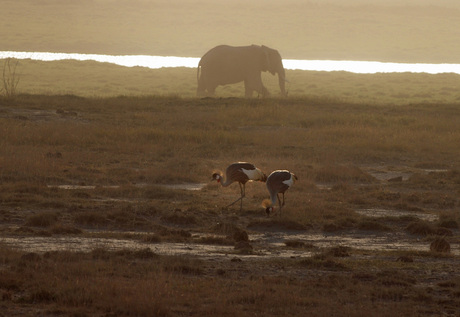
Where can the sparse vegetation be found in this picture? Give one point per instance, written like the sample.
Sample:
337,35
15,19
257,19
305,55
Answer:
107,183
10,78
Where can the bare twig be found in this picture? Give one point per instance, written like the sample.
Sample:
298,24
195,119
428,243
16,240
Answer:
10,78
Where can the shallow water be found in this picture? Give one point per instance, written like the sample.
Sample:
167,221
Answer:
380,212
265,244
184,186
362,67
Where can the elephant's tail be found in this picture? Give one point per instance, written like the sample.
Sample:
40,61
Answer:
199,88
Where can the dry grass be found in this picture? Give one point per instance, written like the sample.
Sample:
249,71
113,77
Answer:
119,152
92,79
143,283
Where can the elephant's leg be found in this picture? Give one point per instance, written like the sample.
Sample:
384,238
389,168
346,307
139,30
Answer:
211,89
263,91
201,89
255,83
248,88
260,88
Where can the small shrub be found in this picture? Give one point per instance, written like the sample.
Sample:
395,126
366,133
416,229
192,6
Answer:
443,232
294,243
151,238
226,228
373,225
241,236
339,251
321,262
331,227
420,227
94,218
449,223
174,234
243,247
180,219
65,229
216,240
10,78
440,245
334,174
278,224
43,219
41,296
145,253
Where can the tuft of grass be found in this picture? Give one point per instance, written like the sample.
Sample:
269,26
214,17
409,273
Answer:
372,225
64,229
293,243
420,227
90,218
440,245
337,174
282,224
321,262
42,219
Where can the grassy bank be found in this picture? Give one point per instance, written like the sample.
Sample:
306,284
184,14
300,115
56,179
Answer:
92,79
183,137
141,283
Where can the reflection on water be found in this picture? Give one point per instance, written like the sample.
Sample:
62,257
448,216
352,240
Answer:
184,186
381,212
363,67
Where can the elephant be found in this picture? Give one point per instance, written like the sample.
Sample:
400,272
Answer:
226,64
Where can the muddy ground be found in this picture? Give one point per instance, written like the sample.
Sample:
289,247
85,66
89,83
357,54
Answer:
385,219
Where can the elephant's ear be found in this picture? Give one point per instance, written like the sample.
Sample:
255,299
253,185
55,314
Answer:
264,59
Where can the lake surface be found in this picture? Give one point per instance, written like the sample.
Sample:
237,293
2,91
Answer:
362,67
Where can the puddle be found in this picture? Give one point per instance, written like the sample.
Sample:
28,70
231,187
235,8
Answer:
82,244
265,244
390,241
39,115
184,186
434,170
386,173
70,187
379,212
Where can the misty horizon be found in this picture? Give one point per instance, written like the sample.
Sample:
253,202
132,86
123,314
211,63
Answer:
155,62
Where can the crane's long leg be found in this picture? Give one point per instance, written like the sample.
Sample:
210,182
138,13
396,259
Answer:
279,202
242,193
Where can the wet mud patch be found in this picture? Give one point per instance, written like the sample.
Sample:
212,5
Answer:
400,173
39,115
264,245
381,213
183,186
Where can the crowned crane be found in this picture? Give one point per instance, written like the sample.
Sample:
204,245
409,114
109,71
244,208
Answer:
242,173
277,183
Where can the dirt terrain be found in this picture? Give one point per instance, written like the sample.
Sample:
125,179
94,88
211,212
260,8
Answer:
375,229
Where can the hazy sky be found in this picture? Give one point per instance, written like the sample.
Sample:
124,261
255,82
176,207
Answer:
383,30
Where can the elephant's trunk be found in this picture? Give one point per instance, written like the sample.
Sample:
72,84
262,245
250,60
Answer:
282,80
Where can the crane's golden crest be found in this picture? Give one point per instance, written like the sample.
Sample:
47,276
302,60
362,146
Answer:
266,203
216,175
